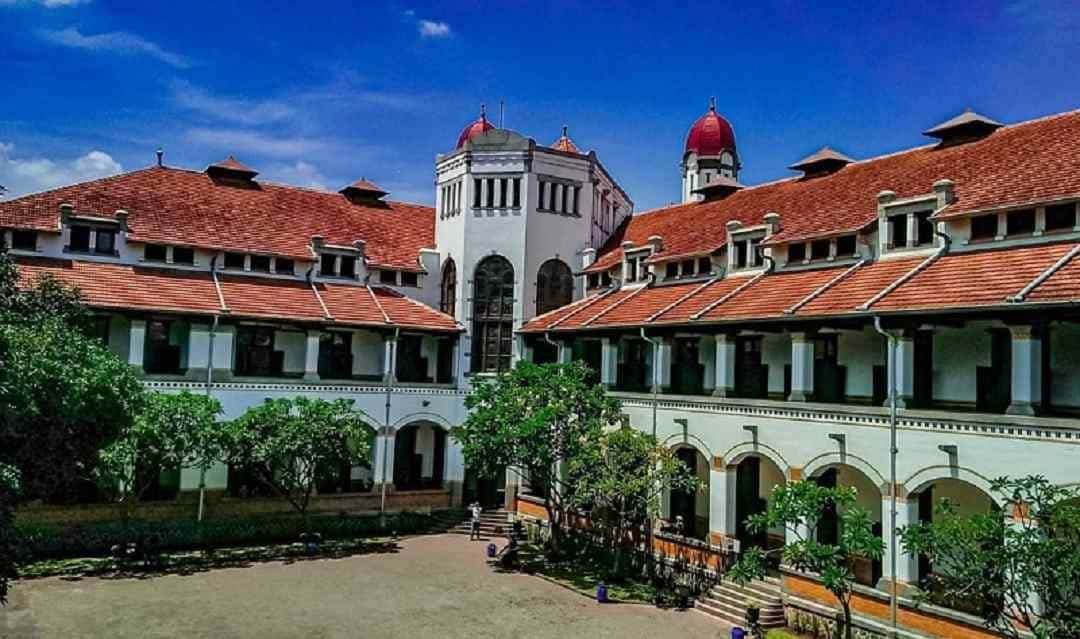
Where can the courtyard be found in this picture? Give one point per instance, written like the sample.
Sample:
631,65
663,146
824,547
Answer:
433,586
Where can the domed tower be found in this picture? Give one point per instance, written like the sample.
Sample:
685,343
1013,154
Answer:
475,128
710,153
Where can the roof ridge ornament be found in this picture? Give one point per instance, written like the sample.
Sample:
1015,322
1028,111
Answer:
966,127
824,161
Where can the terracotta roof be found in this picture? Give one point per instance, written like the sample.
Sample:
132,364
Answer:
475,128
120,286
176,206
564,143
957,281
1019,164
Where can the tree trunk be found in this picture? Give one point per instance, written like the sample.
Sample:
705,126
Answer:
847,619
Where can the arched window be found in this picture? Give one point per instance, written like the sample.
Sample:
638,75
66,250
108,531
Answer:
493,315
448,301
554,286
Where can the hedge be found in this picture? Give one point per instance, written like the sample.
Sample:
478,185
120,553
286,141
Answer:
43,541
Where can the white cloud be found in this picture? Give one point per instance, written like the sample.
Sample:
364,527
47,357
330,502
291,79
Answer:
432,29
118,41
28,175
48,4
228,108
240,141
299,174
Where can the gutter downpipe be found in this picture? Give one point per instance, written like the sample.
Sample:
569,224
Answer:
655,403
893,450
391,370
209,385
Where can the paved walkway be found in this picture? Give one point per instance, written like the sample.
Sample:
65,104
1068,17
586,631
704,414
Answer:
437,586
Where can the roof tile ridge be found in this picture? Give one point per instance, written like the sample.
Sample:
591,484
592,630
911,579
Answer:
629,297
825,287
105,178
1046,274
594,300
416,302
697,289
898,282
378,305
738,289
318,298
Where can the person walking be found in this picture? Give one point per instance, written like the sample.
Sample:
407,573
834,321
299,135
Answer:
476,510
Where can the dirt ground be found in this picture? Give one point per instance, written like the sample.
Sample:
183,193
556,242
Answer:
434,586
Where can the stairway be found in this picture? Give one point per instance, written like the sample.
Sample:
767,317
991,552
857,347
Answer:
493,523
728,601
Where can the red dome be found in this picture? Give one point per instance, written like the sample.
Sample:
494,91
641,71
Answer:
476,128
711,134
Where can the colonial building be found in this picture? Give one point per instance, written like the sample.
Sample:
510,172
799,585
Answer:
756,329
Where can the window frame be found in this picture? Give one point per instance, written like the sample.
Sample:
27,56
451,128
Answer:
493,315
554,286
24,234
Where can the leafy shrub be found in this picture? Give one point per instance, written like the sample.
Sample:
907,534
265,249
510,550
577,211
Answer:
42,541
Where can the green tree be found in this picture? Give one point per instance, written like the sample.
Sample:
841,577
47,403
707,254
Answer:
9,488
172,431
63,394
622,479
798,507
534,419
288,442
1010,566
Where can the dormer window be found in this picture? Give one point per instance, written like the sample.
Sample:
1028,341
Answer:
183,255
746,250
704,266
284,266
797,252
984,227
388,277
86,238
632,266
235,261
924,228
22,240
1020,222
1061,217
80,239
410,279
819,250
898,237
845,246
260,263
671,270
155,253
337,265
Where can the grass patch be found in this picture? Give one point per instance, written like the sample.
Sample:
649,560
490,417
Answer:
186,562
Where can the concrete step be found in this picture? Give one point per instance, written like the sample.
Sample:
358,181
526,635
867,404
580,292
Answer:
737,615
729,601
736,600
750,594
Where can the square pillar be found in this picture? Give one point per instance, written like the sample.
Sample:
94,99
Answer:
902,369
907,564
707,359
224,337
609,362
389,352
800,532
383,468
722,525
662,361
566,352
725,366
311,356
1026,370
912,230
802,367
136,344
455,471
429,349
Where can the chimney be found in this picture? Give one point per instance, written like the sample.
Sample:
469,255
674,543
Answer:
122,219
657,243
944,189
772,223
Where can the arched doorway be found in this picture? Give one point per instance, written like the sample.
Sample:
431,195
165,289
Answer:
554,286
868,496
968,499
691,507
493,315
755,478
419,457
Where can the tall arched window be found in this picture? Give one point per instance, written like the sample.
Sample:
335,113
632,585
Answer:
448,301
554,286
493,314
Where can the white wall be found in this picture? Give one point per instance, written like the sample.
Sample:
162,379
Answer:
957,353
860,352
1065,364
776,353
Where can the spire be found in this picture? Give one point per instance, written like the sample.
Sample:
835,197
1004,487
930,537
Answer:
564,143
483,112
712,104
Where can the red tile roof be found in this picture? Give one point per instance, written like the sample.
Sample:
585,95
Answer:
176,206
1015,165
847,295
771,295
120,286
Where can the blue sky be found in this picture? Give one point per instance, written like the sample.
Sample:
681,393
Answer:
321,98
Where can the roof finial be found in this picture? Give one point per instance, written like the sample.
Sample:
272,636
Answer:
564,130
712,103
483,111
160,152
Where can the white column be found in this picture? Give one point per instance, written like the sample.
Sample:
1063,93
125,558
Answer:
1026,371
311,356
725,366
198,349
384,456
609,362
663,361
903,363
388,359
558,204
802,367
907,564
566,352
430,351
721,503
485,184
498,183
801,533
223,349
707,359
455,470
136,343
912,229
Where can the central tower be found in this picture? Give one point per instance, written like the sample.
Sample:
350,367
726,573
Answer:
710,153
